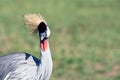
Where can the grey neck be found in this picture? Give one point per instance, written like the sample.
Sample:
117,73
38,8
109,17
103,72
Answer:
45,68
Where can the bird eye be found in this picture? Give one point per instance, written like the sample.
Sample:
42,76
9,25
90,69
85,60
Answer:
42,27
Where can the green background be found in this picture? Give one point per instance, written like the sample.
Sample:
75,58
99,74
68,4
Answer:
85,35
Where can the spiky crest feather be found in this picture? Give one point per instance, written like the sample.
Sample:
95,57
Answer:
32,21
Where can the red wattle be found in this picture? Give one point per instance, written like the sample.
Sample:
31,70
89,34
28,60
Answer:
44,45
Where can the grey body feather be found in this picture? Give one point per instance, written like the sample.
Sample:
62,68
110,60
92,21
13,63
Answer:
23,66
17,65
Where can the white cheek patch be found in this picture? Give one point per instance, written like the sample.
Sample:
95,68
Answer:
48,32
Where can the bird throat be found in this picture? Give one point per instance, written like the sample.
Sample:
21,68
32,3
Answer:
44,45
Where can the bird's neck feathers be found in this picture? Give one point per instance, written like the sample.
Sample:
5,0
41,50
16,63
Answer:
46,59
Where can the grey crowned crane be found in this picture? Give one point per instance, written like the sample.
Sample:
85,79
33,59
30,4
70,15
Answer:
24,66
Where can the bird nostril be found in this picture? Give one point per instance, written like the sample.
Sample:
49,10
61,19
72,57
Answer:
42,27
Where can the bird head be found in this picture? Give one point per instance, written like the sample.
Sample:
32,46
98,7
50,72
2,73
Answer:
44,31
36,24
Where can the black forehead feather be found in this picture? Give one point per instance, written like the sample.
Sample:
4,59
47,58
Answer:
42,27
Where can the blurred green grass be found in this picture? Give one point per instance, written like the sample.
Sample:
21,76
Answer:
85,42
